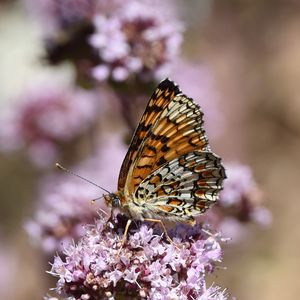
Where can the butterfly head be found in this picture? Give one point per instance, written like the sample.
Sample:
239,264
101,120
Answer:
112,199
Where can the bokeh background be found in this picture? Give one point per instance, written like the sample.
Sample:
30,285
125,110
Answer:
252,51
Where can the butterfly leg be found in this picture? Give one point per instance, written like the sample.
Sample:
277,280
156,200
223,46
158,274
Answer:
163,227
124,235
110,224
111,215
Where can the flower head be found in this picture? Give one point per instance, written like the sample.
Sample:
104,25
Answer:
241,202
240,184
47,115
198,81
128,37
65,206
136,37
147,267
242,196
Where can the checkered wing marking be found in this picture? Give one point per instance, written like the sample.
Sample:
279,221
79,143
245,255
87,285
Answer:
173,129
183,188
160,99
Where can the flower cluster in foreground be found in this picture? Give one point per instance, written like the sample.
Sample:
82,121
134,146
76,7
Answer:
64,204
148,267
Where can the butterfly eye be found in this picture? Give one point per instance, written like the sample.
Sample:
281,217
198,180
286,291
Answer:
115,201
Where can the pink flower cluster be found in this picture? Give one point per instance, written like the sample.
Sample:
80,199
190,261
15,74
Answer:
242,195
64,202
47,115
198,82
65,205
241,202
148,267
130,38
135,38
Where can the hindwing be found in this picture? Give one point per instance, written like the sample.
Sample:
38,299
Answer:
182,188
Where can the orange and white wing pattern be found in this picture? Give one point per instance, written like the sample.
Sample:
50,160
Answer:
182,188
162,96
169,147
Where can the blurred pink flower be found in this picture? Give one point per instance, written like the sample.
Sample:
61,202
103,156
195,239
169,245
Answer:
240,184
65,201
241,202
242,196
55,15
148,267
130,37
135,38
197,81
233,228
46,115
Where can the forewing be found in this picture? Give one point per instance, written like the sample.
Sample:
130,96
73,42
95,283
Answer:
172,129
162,96
183,188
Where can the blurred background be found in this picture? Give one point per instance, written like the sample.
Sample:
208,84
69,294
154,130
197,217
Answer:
72,91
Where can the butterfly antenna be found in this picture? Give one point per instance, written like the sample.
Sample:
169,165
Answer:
95,199
59,166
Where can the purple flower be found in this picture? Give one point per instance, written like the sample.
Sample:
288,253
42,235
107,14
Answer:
115,40
241,202
47,115
242,196
65,206
135,38
198,82
151,269
239,184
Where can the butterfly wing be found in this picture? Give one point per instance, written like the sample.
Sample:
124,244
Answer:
182,188
161,97
171,126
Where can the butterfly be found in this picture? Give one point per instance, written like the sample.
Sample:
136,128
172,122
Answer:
169,172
